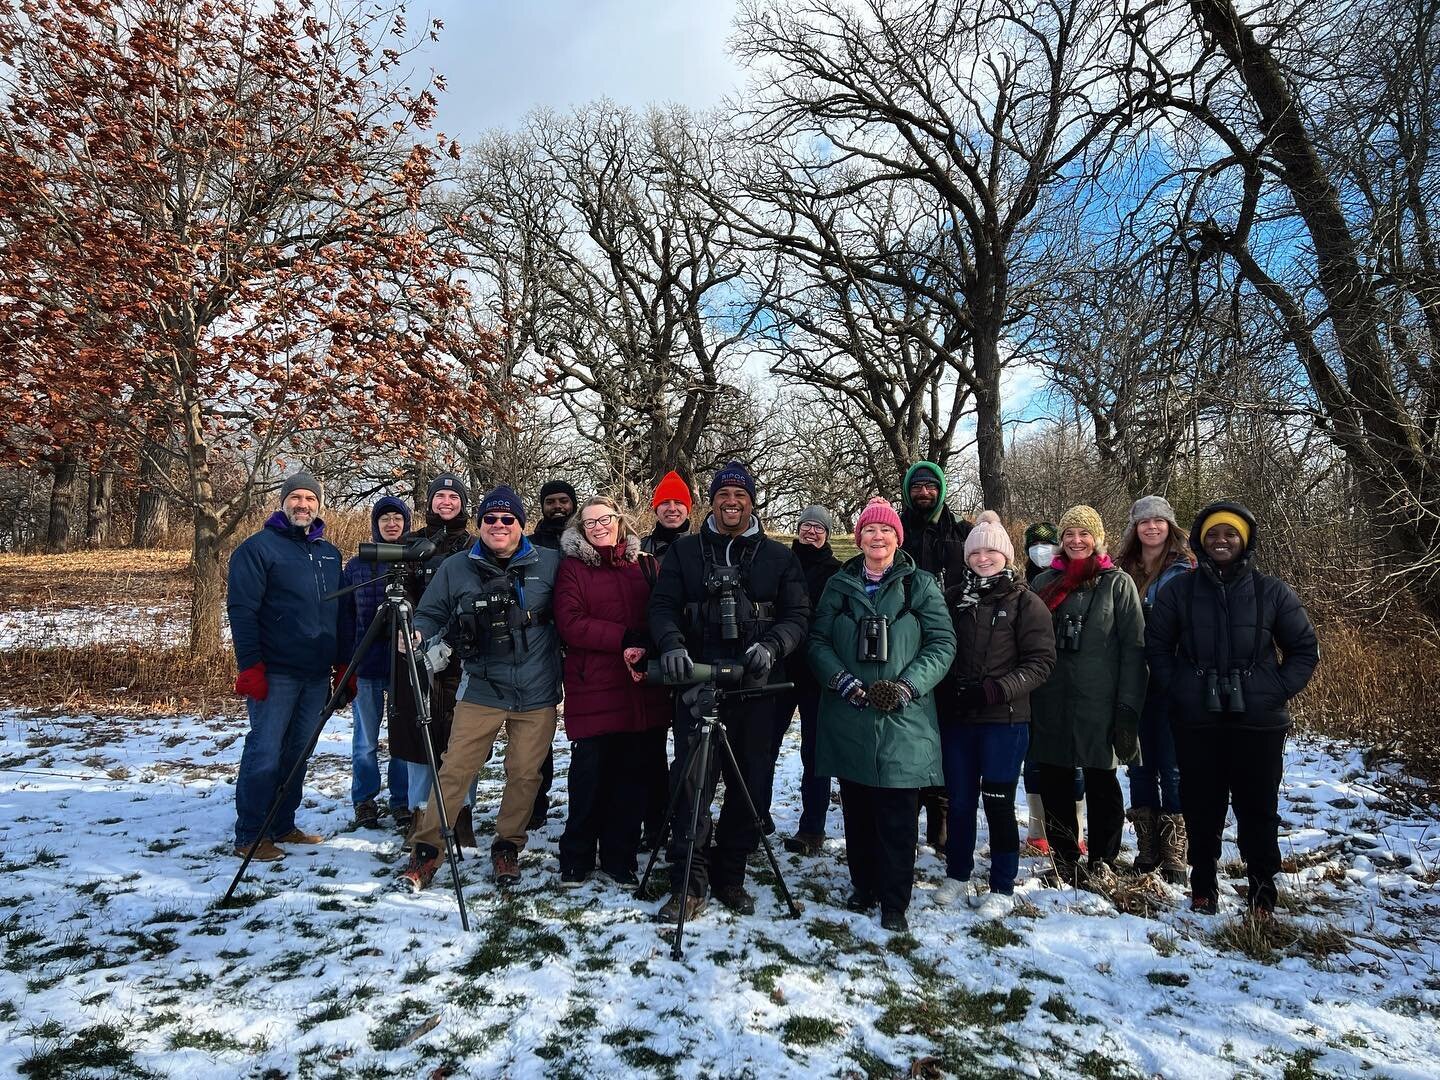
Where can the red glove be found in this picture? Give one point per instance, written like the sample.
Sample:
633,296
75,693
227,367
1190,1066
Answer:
352,686
251,682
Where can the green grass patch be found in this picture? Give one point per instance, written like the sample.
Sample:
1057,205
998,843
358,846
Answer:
99,1049
809,1031
1167,978
994,934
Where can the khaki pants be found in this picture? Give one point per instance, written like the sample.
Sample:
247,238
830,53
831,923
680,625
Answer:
529,735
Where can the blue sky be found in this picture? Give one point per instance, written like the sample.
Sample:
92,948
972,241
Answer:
503,59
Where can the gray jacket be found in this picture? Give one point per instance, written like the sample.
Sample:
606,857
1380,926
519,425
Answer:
527,674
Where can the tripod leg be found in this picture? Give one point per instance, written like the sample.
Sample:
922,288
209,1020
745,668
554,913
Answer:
702,758
422,715
298,769
724,741
674,803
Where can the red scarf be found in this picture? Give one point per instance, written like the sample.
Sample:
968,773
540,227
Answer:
1074,574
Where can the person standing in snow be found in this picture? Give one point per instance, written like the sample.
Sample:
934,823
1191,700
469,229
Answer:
1229,647
286,639
1004,650
881,643
389,521
557,507
671,503
1154,552
1088,714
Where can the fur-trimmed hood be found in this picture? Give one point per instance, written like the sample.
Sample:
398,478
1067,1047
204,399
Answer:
574,545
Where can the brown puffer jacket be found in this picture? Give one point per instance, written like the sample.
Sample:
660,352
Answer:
1007,636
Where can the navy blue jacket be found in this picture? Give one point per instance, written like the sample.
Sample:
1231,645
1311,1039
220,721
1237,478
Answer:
357,609
277,582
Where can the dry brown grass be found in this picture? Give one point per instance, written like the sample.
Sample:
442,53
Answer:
86,578
105,679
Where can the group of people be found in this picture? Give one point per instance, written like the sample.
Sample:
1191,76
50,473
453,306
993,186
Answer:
930,672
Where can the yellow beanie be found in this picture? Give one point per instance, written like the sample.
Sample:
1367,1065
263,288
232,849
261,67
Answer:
1084,517
1226,517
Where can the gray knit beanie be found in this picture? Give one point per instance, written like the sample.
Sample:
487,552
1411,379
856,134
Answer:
1152,506
819,516
302,481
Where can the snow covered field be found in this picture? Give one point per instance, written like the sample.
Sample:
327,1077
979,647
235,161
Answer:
114,848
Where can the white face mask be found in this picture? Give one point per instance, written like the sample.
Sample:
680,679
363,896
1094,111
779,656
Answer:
1041,554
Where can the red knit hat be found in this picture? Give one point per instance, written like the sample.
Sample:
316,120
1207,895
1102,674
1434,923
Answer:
671,487
878,511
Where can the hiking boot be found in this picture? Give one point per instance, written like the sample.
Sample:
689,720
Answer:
367,815
670,912
1174,848
572,877
735,898
893,919
804,843
296,836
260,851
859,903
1147,838
403,817
464,829
505,861
1204,904
421,871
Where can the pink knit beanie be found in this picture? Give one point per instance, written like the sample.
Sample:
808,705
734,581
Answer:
987,532
878,511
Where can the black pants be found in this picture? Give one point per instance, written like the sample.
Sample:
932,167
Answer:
1105,807
608,785
542,795
751,729
881,830
1232,767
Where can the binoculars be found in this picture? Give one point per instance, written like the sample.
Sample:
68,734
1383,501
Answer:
1218,686
873,646
1067,634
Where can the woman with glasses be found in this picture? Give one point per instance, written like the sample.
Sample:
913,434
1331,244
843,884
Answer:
615,722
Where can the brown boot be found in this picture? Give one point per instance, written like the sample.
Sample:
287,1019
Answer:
1147,838
1174,848
299,836
264,851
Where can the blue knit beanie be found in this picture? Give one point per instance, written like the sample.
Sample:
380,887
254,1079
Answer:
733,475
503,499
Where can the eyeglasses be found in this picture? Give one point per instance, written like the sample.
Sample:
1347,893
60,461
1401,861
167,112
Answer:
924,485
810,526
500,519
599,522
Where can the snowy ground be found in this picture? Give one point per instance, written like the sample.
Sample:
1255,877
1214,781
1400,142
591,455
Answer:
114,848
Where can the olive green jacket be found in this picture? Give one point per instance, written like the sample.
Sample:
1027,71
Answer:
1073,716
888,750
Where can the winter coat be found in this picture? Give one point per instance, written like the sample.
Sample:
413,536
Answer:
1007,636
889,750
524,673
358,608
818,565
937,546
275,596
1157,708
659,541
600,610
548,533
1073,716
1237,621
773,607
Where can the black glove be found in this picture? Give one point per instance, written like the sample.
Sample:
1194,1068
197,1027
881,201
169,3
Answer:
690,698
1126,739
677,666
970,699
758,659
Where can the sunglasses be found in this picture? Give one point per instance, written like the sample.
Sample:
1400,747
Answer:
500,519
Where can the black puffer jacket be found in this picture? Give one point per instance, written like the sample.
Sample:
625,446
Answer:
659,541
937,546
1235,620
1007,636
681,612
819,566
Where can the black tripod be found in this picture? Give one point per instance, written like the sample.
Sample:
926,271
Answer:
697,770
394,615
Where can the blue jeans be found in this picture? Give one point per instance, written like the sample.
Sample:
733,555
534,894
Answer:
1156,783
281,728
418,785
368,710
982,764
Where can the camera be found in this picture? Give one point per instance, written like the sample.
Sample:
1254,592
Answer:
723,584
1067,634
874,644
487,626
1228,687
415,551
725,674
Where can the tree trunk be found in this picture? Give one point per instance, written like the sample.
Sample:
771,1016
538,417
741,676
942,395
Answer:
102,491
62,503
990,424
207,575
152,511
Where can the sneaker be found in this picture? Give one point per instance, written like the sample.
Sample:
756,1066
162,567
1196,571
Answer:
804,843
505,861
894,920
1203,904
735,898
418,875
996,905
260,851
1038,846
950,890
859,903
296,836
670,912
367,815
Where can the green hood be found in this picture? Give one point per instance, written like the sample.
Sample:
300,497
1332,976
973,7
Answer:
905,488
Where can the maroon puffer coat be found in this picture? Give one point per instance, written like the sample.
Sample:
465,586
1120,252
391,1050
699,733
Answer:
597,600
